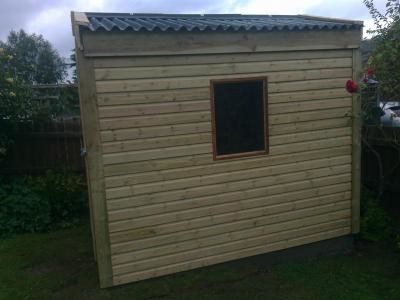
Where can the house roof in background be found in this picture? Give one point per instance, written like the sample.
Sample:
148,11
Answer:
210,22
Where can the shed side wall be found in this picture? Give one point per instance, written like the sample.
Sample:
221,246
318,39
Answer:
172,208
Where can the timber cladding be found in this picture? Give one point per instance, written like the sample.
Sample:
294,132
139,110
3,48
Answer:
160,202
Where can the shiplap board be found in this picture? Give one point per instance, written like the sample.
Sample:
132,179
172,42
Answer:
130,178
100,44
199,59
235,241
277,242
214,190
220,69
110,86
151,236
170,206
131,243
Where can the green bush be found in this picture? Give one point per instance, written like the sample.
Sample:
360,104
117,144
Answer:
375,222
66,194
37,204
21,209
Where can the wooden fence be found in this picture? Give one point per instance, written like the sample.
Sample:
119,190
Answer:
38,147
386,143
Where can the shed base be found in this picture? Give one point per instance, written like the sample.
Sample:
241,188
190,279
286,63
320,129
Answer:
335,246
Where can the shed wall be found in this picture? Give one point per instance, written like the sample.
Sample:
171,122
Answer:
171,208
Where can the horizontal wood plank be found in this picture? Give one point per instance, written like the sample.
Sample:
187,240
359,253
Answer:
144,258
246,243
125,43
199,160
184,108
220,69
323,93
309,136
111,86
338,176
146,97
163,166
133,242
324,114
120,258
174,60
196,138
205,127
180,205
193,150
197,181
194,94
153,109
154,120
155,131
309,126
225,166
213,190
282,108
306,85
157,142
266,247
201,116
151,236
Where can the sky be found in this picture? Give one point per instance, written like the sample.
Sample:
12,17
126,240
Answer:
51,18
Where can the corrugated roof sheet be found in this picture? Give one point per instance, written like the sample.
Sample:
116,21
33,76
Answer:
170,22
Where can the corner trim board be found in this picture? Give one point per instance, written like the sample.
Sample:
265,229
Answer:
94,167
356,148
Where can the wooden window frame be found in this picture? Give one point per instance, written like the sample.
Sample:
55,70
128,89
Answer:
264,80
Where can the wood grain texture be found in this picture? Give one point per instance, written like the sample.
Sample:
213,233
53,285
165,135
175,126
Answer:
216,189
94,167
206,159
125,177
179,43
139,242
151,236
131,85
195,94
207,201
220,69
170,207
277,126
189,139
204,58
235,241
263,226
356,169
274,243
191,152
243,174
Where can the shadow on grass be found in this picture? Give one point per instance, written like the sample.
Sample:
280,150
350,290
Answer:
59,265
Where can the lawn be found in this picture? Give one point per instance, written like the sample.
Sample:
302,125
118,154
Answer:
59,265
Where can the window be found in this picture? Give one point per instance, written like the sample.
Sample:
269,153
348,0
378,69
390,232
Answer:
239,117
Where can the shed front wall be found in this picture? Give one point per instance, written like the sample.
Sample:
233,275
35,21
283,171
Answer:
171,207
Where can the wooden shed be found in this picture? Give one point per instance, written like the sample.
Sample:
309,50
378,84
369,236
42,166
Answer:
211,138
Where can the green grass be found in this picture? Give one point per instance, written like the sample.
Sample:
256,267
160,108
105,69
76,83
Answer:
59,265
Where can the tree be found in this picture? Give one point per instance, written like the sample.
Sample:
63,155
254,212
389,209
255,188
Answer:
15,102
72,65
384,66
385,58
35,61
383,21
25,60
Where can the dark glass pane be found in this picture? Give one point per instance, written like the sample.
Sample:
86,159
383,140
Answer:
239,117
